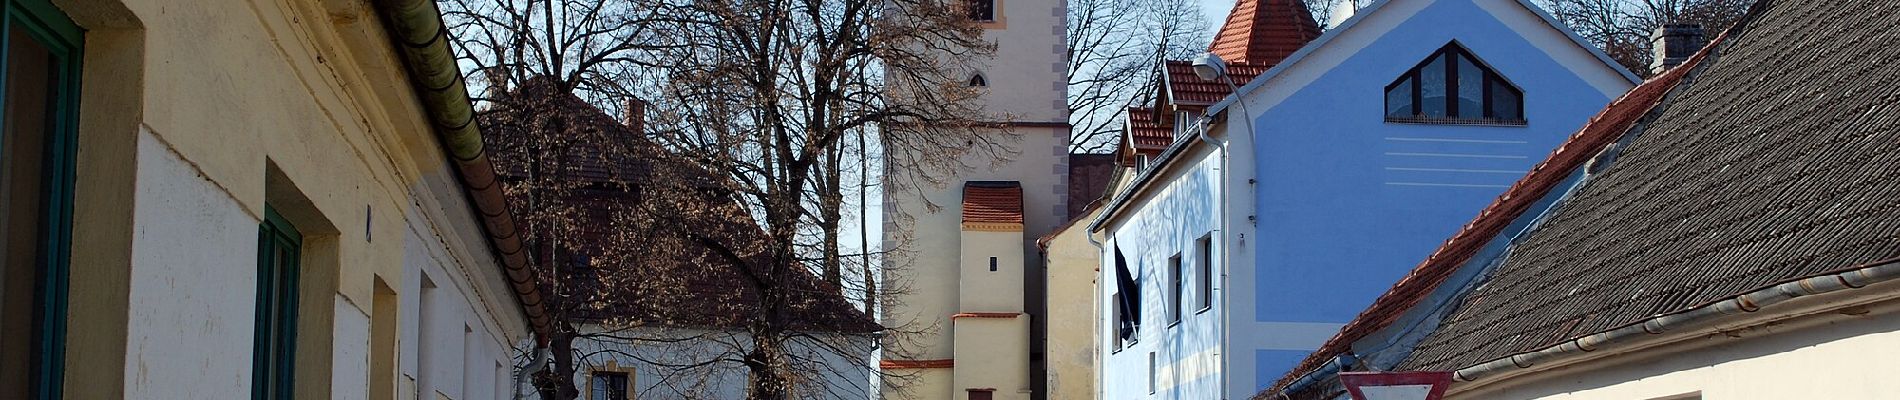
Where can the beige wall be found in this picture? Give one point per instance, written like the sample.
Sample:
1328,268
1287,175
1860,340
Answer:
1071,270
1835,347
194,116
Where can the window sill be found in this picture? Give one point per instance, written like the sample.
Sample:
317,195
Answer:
1455,121
1203,310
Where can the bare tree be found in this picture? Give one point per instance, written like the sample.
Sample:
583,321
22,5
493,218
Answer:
1622,28
1114,48
769,92
764,98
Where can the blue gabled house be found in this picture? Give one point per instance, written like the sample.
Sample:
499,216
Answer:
1258,224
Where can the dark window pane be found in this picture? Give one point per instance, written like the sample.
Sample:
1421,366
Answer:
22,168
1470,89
983,10
1174,295
608,386
1432,90
1398,99
1207,271
1506,102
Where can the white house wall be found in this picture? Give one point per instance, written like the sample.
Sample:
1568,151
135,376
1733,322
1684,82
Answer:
834,375
1168,219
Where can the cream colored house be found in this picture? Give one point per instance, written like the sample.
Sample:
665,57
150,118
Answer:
1724,231
970,271
222,199
1070,261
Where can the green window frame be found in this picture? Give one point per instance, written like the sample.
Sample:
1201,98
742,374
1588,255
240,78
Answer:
274,351
46,26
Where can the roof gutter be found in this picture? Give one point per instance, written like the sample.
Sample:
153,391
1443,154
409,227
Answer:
1141,182
1853,278
423,43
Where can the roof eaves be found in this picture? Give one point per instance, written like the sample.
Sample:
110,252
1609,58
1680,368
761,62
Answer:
1163,162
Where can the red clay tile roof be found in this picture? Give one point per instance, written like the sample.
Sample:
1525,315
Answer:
1599,132
1264,34
1147,134
678,278
1185,88
993,202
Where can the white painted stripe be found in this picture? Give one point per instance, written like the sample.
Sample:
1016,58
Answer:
1419,139
1460,155
1481,171
1466,185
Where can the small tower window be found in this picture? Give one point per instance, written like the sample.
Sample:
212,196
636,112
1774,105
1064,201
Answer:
1452,86
983,10
977,80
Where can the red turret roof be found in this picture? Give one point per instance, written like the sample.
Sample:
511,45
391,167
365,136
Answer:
1263,32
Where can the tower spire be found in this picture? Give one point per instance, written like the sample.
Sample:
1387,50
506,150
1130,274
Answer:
1263,32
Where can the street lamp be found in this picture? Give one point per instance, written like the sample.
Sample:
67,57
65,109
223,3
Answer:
1369,385
1210,67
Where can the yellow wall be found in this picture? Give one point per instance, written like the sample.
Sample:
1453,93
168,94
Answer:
1071,269
1839,346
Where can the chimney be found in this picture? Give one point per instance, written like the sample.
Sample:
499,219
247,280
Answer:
636,116
1673,44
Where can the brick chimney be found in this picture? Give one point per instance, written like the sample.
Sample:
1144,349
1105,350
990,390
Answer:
636,115
1673,44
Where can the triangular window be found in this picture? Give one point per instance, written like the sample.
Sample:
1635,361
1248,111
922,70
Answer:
1452,86
977,80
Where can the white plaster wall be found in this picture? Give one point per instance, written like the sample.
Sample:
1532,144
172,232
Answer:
192,297
349,375
451,343
842,376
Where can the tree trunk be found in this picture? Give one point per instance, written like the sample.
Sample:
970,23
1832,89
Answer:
556,382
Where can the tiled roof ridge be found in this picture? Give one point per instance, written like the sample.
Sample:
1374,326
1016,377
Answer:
993,202
1264,34
1598,133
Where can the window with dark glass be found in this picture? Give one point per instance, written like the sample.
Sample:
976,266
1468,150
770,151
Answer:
1128,299
274,349
39,86
1204,249
976,80
1452,86
607,385
1174,290
982,10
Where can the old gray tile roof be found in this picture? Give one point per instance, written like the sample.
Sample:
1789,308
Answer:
1778,159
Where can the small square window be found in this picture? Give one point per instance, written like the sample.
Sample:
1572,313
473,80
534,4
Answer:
983,10
607,385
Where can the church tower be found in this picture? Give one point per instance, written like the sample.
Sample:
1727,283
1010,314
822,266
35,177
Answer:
973,272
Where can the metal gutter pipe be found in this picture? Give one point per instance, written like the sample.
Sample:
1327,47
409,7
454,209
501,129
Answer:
1877,272
422,42
1220,204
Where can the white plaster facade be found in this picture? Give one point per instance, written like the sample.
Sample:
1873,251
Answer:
684,363
194,119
